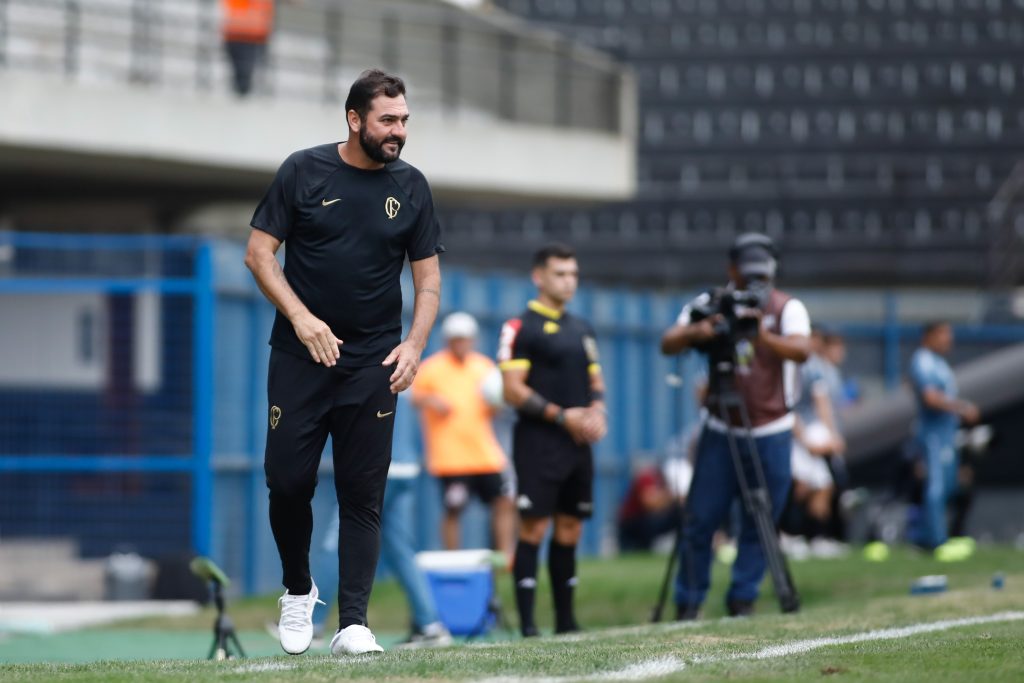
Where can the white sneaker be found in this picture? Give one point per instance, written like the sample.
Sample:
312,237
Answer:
431,635
354,640
295,627
828,549
794,547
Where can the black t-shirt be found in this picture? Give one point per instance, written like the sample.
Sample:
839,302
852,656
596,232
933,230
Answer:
558,349
347,232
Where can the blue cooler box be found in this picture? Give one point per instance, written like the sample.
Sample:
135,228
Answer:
462,584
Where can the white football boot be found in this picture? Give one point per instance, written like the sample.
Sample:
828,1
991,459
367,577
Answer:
354,640
295,628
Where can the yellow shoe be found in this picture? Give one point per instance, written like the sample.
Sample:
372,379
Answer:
876,551
964,541
726,553
951,551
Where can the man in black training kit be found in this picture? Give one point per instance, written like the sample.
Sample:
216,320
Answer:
549,363
351,213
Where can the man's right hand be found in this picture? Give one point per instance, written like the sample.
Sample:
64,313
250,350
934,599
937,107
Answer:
704,331
585,425
318,339
970,414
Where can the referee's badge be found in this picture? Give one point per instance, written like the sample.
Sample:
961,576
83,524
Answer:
590,346
391,207
275,416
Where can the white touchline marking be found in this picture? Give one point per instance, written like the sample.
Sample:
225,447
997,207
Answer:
666,627
886,634
629,631
641,671
801,646
663,666
262,667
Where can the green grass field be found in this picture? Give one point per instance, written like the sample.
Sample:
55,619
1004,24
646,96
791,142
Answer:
850,627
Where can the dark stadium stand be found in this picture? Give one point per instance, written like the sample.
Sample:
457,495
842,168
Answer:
881,128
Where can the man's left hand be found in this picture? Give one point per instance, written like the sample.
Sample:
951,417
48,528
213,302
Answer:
406,359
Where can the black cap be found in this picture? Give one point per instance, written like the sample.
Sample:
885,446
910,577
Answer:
754,255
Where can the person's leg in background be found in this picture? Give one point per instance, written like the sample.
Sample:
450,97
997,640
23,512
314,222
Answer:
562,569
503,518
711,492
574,504
524,570
962,500
932,530
244,56
536,507
638,534
456,495
398,552
775,455
819,509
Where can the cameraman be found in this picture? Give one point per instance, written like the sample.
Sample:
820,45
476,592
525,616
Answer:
764,343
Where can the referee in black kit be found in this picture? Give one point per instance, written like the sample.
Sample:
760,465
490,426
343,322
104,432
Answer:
549,363
351,213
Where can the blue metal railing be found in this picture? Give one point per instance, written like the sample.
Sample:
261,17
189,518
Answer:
210,405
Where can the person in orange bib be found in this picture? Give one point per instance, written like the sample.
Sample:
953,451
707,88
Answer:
246,27
462,449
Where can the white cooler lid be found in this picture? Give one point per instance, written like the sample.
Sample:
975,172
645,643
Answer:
481,558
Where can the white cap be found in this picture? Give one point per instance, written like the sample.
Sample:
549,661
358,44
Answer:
459,325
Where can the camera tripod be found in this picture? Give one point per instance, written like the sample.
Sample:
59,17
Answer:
225,640
753,493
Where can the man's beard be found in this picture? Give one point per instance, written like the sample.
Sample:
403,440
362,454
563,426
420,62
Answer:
374,148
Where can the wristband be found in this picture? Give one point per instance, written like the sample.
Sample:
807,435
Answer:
560,418
596,395
534,406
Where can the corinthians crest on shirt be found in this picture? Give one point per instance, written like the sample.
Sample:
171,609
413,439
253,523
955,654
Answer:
391,207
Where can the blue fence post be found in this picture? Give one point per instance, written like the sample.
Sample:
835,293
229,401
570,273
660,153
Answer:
254,479
202,399
891,340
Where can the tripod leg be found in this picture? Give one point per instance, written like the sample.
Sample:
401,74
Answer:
663,593
237,645
758,503
213,648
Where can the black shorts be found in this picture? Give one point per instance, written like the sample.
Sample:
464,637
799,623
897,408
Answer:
554,475
456,491
308,402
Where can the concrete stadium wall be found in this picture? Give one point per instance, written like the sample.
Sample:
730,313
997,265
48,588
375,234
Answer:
213,139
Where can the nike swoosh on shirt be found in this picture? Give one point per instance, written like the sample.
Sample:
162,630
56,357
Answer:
328,203
380,414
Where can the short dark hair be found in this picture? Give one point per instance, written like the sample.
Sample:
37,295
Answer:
370,84
550,251
933,325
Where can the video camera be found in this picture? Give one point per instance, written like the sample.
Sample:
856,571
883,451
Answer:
734,310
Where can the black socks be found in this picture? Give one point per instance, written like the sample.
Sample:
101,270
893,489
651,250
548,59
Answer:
524,572
562,567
